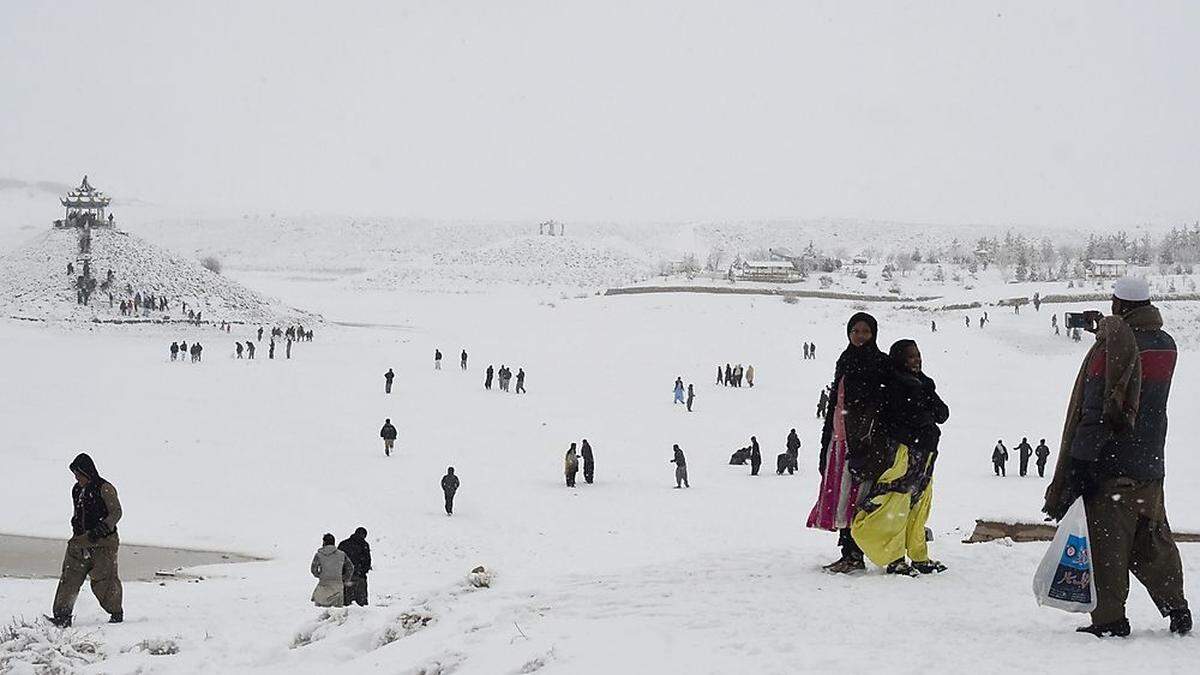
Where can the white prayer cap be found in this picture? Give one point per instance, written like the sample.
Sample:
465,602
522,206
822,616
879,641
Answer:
1132,289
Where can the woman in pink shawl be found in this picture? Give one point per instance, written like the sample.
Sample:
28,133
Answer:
850,440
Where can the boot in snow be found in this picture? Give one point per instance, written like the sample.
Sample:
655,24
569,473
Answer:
1181,621
1114,629
60,621
846,565
900,566
117,618
929,567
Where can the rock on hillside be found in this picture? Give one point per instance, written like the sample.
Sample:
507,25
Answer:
34,283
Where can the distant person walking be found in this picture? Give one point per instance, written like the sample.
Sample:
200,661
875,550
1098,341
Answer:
388,434
174,350
271,349
520,380
463,359
449,487
691,397
720,375
750,375
288,348
571,466
387,381
589,462
249,349
679,390
93,546
334,572
437,359
487,380
805,351
823,402
358,551
239,348
680,462
999,457
755,456
260,331
1043,454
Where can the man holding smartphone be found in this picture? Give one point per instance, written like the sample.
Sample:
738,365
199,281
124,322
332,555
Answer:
1112,457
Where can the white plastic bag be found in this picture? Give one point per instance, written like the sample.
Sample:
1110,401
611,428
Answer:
1064,577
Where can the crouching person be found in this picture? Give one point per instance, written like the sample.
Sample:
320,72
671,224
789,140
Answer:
92,548
334,572
890,524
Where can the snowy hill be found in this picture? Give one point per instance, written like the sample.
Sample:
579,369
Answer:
34,283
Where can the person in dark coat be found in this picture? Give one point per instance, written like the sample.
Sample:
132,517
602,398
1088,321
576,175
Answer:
680,462
691,396
1042,453
463,359
520,380
249,349
823,402
271,349
1113,456
449,487
728,375
755,456
388,434
720,375
238,346
789,460
589,462
437,359
93,547
1025,451
260,333
999,457
487,380
358,551
174,350
387,381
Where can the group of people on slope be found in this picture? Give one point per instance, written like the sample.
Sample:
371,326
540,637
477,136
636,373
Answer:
572,461
878,449
688,397
181,349
733,376
503,378
1025,450
787,461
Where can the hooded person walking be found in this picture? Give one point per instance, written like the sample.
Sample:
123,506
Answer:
388,433
334,573
1112,455
449,487
92,548
849,442
890,524
358,551
571,466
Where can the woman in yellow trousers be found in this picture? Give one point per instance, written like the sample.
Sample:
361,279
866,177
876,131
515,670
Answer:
890,524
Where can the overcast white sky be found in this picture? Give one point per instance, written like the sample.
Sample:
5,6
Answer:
995,112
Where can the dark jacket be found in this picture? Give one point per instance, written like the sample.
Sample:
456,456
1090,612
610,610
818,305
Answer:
1025,450
679,459
755,455
586,453
450,483
96,507
911,410
1135,452
793,443
1042,453
358,551
388,432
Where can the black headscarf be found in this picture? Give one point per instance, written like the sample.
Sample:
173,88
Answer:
858,368
899,353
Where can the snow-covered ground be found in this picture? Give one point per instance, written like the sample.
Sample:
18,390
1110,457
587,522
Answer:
627,575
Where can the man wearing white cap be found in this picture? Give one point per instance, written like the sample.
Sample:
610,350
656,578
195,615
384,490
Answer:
1112,457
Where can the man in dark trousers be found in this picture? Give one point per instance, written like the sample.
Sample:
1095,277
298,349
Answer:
1112,455
589,462
1025,451
1042,453
755,456
388,434
999,457
174,350
680,462
239,348
691,396
249,349
358,551
463,359
387,381
449,487
520,380
487,380
92,548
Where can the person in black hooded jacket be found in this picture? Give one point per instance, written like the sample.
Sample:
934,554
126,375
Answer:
850,444
358,551
92,548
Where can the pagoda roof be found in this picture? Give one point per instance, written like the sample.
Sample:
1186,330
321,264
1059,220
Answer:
85,196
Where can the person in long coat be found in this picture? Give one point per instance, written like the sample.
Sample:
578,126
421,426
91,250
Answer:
358,551
679,390
755,456
571,466
849,445
589,462
334,572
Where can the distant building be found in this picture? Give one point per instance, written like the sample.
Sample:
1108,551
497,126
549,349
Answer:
1106,268
776,271
85,207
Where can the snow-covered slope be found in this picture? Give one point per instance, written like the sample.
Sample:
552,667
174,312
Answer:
34,283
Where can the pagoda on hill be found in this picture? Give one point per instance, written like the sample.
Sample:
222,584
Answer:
85,207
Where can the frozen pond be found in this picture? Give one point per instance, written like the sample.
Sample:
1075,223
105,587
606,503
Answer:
37,557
